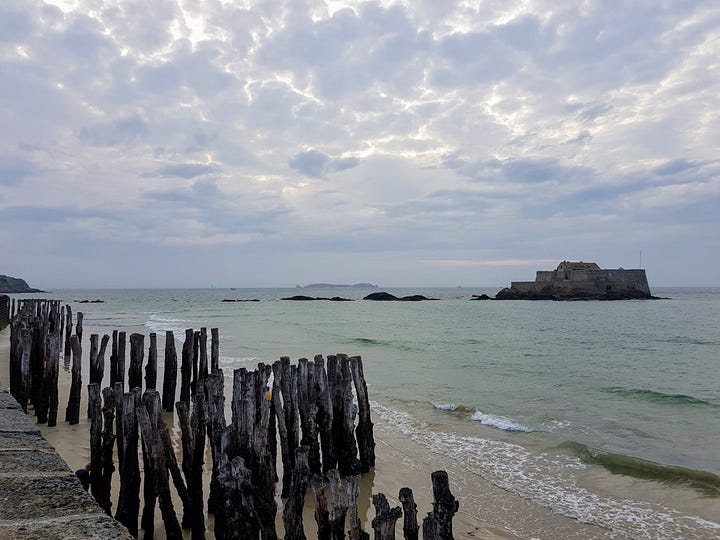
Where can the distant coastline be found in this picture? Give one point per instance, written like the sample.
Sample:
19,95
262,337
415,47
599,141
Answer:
13,285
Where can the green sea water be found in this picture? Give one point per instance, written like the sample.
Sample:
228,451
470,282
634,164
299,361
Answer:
605,412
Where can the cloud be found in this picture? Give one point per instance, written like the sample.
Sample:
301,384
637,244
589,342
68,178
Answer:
184,170
116,132
315,164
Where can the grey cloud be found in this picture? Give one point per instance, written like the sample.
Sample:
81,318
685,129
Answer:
316,164
184,170
121,131
13,169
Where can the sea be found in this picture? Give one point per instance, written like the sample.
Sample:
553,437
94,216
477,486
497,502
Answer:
607,413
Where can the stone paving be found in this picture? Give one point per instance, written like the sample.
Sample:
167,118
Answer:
40,497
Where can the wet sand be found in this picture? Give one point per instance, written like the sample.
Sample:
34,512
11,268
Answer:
486,511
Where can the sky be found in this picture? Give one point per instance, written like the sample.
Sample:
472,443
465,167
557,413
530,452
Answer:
191,143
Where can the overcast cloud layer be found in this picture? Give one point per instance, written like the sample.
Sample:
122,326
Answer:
432,142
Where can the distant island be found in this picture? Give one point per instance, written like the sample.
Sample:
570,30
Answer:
15,285
337,286
580,281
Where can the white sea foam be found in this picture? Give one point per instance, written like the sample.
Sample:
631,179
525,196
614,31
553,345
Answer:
500,422
445,406
550,481
161,322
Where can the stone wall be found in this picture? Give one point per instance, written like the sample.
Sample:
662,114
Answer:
40,497
4,310
584,283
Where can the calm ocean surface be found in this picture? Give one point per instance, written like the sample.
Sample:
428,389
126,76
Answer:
606,412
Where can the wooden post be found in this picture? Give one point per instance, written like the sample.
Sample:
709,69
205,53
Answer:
187,441
364,430
79,325
263,468
129,500
114,359
339,505
343,415
214,350
293,512
72,413
169,373
322,514
118,399
147,522
199,419
235,517
96,453
437,525
52,354
186,367
151,366
385,517
410,523
122,340
356,531
101,358
150,420
137,345
25,383
216,425
108,441
68,333
203,354
286,450
94,341
175,472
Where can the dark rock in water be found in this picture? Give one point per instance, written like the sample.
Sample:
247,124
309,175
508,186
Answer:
90,301
381,296
415,298
577,295
239,300
15,285
480,297
303,298
387,297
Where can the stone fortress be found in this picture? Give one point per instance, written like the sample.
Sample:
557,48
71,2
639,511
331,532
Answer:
580,281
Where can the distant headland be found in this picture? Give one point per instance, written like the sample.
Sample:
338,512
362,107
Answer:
15,285
337,286
580,281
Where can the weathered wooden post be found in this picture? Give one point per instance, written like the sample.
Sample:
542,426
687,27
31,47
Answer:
410,523
52,354
235,516
79,325
129,500
437,525
96,451
188,442
292,513
94,341
122,340
72,413
385,517
175,473
68,333
108,441
147,522
339,507
356,531
169,373
150,422
151,366
322,514
199,420
114,359
214,350
203,368
137,352
364,430
343,415
214,386
186,367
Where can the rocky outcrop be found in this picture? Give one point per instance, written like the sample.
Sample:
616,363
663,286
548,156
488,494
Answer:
387,297
239,300
481,297
510,294
15,285
303,298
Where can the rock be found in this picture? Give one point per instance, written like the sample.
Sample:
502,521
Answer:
303,298
15,285
480,297
415,298
299,297
239,300
381,296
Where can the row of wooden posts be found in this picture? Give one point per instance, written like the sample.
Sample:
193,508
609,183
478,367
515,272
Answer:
308,407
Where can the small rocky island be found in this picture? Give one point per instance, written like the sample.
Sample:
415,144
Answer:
580,281
15,285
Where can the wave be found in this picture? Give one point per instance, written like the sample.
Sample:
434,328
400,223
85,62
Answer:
162,323
550,480
658,397
641,468
500,422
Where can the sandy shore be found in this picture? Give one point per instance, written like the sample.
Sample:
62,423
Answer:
486,512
